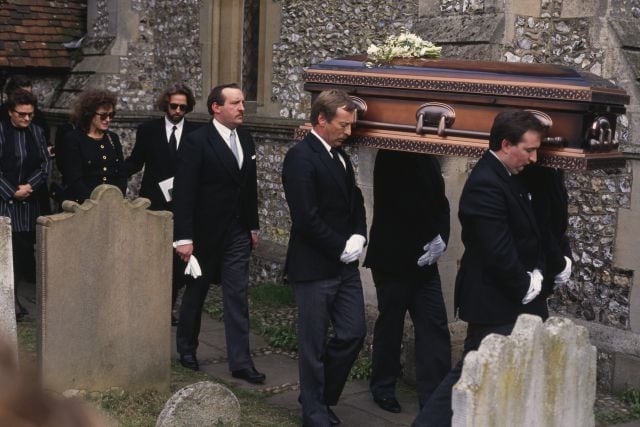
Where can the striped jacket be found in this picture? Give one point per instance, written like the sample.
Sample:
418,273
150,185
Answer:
23,213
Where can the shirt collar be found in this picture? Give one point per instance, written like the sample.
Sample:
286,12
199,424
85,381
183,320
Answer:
324,143
169,124
501,162
222,130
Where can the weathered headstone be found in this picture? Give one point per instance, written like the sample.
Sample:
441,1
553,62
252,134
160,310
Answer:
201,404
7,304
540,375
104,294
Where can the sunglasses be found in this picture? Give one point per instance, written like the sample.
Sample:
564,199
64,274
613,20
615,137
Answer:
23,115
105,116
182,107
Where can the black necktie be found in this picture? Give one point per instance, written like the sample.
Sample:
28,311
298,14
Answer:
173,142
338,162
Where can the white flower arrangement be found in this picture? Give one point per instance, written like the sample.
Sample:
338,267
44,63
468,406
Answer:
405,45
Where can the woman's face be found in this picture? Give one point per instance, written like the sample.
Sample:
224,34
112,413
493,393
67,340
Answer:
102,118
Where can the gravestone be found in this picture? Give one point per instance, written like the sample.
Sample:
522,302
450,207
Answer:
543,374
104,294
201,404
7,304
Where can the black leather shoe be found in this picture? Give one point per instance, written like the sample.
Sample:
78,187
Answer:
189,361
250,375
388,404
333,418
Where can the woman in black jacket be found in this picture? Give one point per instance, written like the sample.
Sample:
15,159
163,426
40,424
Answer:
92,153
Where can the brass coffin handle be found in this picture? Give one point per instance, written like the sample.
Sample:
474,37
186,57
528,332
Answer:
434,115
361,106
601,135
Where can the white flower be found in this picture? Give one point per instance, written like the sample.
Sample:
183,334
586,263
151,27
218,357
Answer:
405,45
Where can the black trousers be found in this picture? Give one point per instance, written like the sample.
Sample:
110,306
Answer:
324,365
24,263
420,294
178,278
235,285
437,411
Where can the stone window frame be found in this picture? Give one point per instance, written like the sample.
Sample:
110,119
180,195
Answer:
221,24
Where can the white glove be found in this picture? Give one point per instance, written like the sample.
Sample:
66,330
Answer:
193,268
563,276
353,248
433,250
535,286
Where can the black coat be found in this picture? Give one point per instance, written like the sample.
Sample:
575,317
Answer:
410,209
550,204
325,210
89,163
209,191
152,151
502,243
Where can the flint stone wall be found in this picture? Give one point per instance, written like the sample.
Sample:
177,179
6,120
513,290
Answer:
104,294
7,305
540,375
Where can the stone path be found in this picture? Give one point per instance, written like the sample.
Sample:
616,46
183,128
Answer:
354,409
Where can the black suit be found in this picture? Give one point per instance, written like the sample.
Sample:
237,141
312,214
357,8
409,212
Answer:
153,151
216,206
410,209
550,204
326,209
502,243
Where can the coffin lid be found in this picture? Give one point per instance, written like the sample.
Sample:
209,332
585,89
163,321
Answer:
542,81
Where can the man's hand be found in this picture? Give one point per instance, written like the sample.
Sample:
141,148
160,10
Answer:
563,277
353,248
185,251
23,192
433,251
535,286
255,237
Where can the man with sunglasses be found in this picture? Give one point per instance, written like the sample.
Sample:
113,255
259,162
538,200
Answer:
157,143
24,166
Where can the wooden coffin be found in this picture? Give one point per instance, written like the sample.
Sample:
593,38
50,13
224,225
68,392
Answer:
447,107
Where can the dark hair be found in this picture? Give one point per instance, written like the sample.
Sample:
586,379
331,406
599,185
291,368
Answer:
21,97
511,125
327,104
85,106
176,89
216,95
19,81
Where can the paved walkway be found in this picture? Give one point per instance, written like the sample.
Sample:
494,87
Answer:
356,408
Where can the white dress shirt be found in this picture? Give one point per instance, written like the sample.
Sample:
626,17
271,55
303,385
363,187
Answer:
168,126
224,133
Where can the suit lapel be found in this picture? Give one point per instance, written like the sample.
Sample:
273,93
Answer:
164,149
327,161
223,152
517,189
